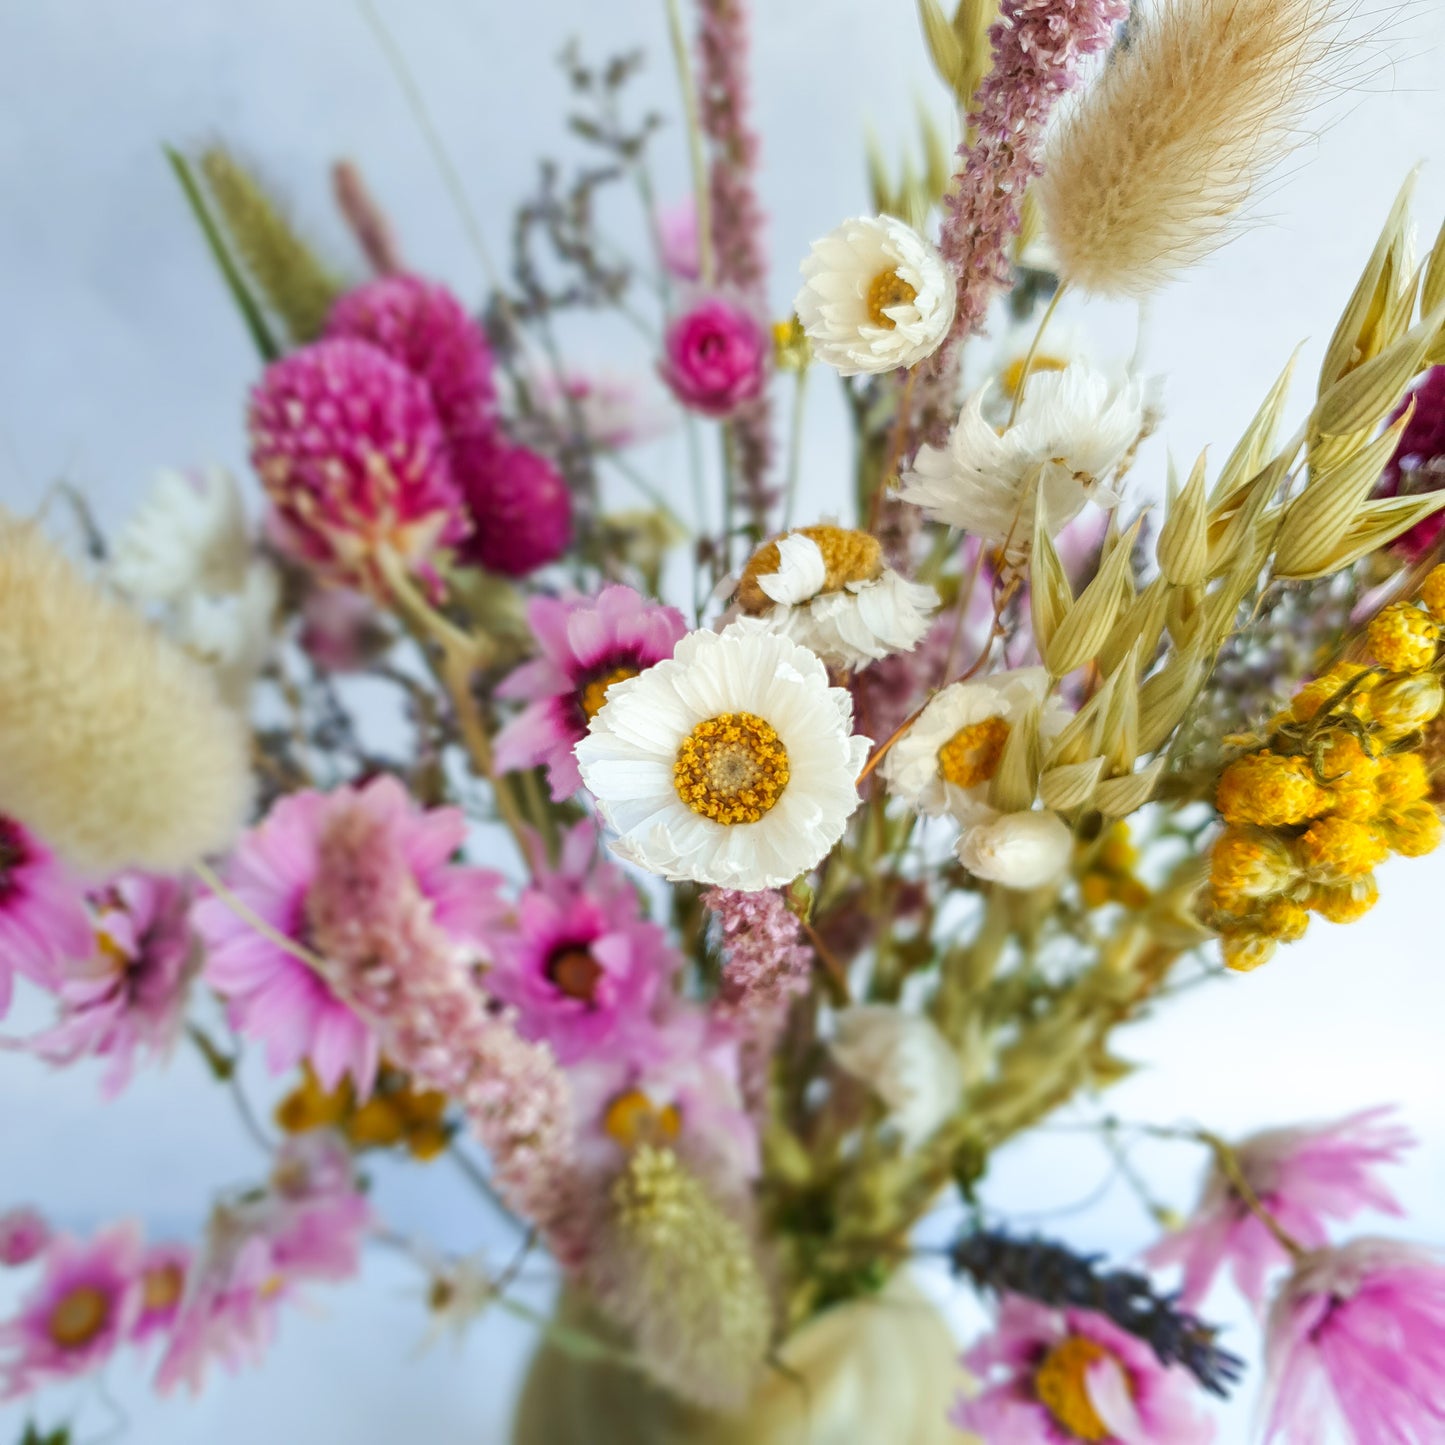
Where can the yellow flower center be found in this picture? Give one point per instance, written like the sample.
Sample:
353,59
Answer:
594,694
573,971
161,1287
848,556
888,288
632,1119
971,756
732,768
1063,1391
1012,378
79,1317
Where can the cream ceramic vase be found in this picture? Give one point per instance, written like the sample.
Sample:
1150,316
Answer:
882,1371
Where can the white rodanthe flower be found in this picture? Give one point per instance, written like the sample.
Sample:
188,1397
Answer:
876,296
188,535
233,632
827,588
733,762
1018,850
1073,429
946,760
907,1063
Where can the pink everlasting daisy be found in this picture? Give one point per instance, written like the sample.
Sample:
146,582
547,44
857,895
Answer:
307,1225
277,873
129,996
580,964
586,645
1356,1338
42,912
1304,1177
77,1314
1055,1377
162,1283
23,1236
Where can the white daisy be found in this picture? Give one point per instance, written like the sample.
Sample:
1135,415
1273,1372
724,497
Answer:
945,761
875,296
907,1063
1018,850
1073,428
732,762
827,588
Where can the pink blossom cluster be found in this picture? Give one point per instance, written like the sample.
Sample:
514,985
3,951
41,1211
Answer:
765,963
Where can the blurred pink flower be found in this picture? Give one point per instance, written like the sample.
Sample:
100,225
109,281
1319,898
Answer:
277,872
715,357
23,1236
339,628
518,505
1304,1177
1356,1338
128,998
42,912
603,410
586,644
677,239
1419,461
81,1309
1055,1377
162,1277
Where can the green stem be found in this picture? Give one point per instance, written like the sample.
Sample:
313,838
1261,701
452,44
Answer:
707,262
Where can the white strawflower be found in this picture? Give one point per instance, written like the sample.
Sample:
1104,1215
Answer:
732,762
945,761
1018,850
907,1063
232,632
1073,429
875,296
827,588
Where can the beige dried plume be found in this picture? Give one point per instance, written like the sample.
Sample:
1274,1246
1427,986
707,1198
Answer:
114,745
1147,173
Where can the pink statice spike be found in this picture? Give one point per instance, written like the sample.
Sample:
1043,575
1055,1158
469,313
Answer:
1305,1177
1356,1340
43,922
765,963
584,643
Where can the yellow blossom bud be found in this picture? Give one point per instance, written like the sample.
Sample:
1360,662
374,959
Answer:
1405,704
1248,863
1432,593
1403,778
1352,773
1344,902
1269,790
1307,702
1335,849
1413,830
1403,638
1283,919
1245,951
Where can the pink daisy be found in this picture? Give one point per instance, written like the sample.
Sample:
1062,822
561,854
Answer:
1055,1377
23,1236
1356,1338
1304,1177
580,964
276,997
129,997
42,912
162,1273
78,1313
308,1225
586,645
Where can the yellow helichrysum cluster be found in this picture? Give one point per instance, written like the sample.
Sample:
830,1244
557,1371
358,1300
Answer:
395,1114
1340,786
1109,876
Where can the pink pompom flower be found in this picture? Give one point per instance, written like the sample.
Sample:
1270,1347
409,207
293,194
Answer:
80,1310
347,443
276,872
517,504
1419,461
128,998
1356,1338
579,963
1055,1377
162,1283
1303,1177
307,1225
23,1236
586,644
422,325
715,357
42,912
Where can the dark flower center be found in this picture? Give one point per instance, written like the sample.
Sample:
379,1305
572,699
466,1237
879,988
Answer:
13,855
573,971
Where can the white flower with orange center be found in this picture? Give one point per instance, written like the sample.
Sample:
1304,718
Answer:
733,762
827,588
1072,430
946,760
875,297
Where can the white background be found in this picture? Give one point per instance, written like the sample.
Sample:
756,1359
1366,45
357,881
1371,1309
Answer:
122,353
